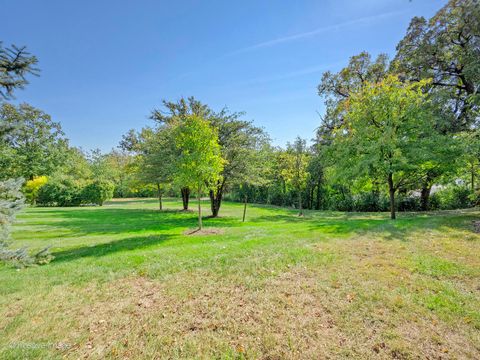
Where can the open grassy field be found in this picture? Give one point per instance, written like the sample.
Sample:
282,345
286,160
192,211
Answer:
127,283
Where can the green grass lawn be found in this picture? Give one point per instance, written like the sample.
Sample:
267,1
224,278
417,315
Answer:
127,283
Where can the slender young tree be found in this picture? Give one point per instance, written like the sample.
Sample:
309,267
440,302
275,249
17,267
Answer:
256,172
199,162
298,171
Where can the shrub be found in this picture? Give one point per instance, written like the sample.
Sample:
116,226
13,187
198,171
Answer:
370,202
60,192
339,202
434,202
97,192
408,203
32,187
454,197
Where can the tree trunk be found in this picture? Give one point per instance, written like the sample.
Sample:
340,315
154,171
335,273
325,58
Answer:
472,180
425,197
391,190
310,197
300,203
216,198
199,195
185,197
319,191
159,192
244,208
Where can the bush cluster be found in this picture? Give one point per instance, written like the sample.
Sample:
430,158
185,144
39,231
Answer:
68,192
453,197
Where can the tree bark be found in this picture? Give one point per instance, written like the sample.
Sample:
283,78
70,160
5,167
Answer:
425,197
185,197
391,190
159,192
244,208
200,225
216,198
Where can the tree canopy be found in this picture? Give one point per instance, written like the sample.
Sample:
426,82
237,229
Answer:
199,163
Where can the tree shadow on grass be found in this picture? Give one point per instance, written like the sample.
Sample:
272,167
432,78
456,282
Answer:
115,221
378,224
103,249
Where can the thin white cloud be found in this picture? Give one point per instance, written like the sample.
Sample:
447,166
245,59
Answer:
292,74
315,32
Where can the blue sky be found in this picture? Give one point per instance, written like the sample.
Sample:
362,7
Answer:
106,63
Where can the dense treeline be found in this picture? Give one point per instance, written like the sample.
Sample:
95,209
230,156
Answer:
396,135
393,130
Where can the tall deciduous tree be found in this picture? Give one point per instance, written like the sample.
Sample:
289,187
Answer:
336,88
158,159
35,147
199,162
388,132
239,142
170,115
236,138
446,49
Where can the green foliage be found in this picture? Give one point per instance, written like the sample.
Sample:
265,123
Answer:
453,197
337,88
32,187
445,49
36,146
11,202
244,147
97,192
157,157
240,143
199,163
369,201
295,169
388,134
67,191
179,110
61,191
387,130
